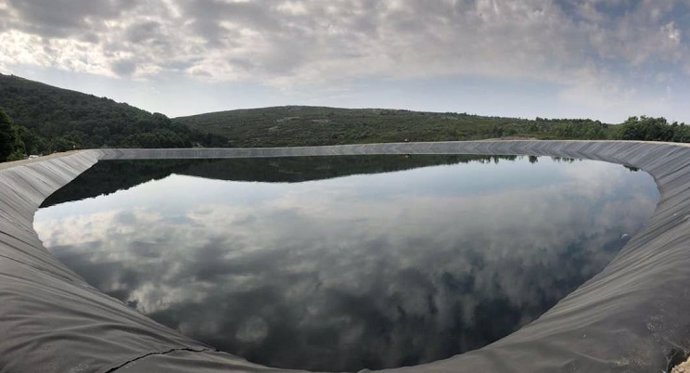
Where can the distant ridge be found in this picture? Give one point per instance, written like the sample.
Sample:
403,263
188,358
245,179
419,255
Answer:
49,119
311,125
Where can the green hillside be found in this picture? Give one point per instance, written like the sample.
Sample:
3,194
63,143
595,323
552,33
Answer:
53,119
45,119
303,125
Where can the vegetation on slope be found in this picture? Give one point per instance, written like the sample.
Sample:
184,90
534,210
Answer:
300,125
48,119
11,145
52,119
653,129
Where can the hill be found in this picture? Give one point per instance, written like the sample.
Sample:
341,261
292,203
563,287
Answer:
52,119
44,119
304,125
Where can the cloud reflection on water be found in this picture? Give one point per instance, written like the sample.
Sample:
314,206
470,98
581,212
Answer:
362,271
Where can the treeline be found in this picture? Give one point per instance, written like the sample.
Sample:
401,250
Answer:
11,146
305,125
574,128
44,119
49,119
634,128
653,129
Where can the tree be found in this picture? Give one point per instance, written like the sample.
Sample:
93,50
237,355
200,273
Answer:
647,128
7,136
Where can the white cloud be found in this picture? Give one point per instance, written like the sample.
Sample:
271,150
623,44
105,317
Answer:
582,45
314,41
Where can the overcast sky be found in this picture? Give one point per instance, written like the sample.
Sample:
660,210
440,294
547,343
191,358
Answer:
601,59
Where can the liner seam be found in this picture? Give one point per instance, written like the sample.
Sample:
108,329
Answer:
189,349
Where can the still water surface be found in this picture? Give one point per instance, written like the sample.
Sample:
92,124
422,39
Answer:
345,263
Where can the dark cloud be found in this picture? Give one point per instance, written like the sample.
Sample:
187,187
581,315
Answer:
208,15
144,31
62,18
124,67
4,17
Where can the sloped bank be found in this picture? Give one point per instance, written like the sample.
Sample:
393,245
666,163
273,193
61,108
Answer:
632,317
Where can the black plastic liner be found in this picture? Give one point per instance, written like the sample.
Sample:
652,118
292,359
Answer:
634,316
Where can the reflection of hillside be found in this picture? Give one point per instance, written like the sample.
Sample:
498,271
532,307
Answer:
110,176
